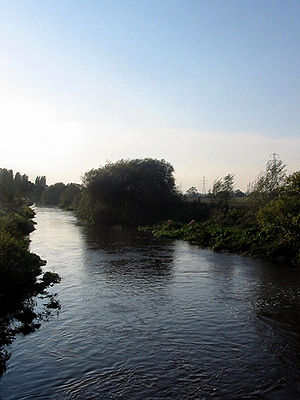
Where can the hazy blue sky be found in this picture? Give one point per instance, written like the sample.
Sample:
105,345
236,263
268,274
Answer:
211,86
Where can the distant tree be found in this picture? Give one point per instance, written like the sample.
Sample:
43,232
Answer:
40,181
7,198
223,190
38,189
26,186
70,197
238,193
17,178
129,192
7,179
51,195
192,193
268,183
17,184
209,194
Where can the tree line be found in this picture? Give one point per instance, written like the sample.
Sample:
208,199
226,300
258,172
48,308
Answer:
263,222
38,192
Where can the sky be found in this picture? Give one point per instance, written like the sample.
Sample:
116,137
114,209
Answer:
211,86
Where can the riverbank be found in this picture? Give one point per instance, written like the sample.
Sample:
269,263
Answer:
21,275
249,240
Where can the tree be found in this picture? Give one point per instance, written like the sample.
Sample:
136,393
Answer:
130,192
52,194
7,179
239,193
223,189
192,193
269,182
40,181
70,196
292,184
280,219
39,187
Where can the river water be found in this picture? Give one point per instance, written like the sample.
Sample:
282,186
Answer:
150,319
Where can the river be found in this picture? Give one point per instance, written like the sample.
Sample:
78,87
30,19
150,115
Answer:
148,319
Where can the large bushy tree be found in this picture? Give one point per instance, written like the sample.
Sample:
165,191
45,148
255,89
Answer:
129,192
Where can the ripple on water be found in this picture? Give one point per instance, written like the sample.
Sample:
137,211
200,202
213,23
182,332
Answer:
149,319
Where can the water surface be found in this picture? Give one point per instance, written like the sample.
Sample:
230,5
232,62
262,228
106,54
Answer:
149,319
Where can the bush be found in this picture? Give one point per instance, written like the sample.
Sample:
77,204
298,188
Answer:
18,269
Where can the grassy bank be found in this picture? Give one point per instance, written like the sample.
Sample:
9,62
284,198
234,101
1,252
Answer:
251,240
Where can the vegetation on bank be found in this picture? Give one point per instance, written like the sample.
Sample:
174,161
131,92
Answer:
267,224
21,275
263,222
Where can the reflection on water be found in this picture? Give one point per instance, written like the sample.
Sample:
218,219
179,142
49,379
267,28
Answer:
277,308
127,256
147,319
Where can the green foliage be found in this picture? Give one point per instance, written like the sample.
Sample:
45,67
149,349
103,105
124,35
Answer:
88,209
51,195
19,268
223,190
269,227
268,184
50,278
6,179
280,219
61,195
238,193
189,210
70,197
129,192
38,188
19,186
15,185
40,181
215,236
17,224
292,184
192,193
7,199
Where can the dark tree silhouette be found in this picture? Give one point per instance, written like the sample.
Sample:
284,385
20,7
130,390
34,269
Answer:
129,192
